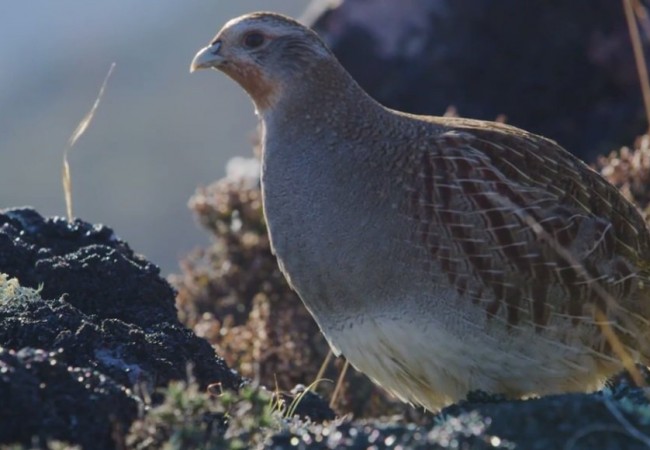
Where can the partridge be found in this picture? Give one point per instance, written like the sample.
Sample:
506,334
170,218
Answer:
438,255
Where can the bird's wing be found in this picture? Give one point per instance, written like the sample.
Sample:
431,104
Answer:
524,229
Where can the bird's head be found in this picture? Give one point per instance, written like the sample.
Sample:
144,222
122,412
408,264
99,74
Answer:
264,52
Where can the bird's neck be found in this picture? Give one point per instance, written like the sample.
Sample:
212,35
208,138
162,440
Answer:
325,95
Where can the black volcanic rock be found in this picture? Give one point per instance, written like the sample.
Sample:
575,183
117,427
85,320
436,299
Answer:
103,324
44,399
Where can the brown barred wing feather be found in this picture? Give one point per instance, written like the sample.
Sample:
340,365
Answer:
529,232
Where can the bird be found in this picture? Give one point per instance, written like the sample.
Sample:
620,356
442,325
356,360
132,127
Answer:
439,255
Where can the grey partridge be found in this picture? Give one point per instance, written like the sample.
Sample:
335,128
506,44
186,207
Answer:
438,255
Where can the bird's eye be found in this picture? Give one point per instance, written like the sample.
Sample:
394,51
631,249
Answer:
253,40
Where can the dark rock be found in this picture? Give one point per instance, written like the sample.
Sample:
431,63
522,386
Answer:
97,272
45,399
102,310
561,69
601,420
577,421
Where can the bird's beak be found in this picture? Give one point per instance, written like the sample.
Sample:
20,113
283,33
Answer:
207,57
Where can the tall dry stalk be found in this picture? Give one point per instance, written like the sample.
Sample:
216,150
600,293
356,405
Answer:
66,176
639,55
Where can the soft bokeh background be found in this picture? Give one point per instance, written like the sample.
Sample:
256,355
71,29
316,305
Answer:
159,131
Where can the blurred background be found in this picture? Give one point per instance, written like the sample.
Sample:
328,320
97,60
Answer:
561,69
159,132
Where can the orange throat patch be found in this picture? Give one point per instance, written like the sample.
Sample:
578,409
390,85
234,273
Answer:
262,90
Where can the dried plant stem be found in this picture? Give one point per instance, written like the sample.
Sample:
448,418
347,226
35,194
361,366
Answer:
639,56
66,176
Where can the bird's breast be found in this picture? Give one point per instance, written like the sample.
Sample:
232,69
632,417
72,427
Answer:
330,240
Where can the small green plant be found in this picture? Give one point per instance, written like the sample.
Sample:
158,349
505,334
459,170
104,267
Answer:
190,417
11,290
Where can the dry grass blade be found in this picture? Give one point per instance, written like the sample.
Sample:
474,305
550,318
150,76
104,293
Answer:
66,177
639,56
291,411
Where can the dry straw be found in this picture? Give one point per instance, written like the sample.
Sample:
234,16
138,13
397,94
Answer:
66,176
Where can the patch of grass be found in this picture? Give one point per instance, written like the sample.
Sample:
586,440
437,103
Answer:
192,418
